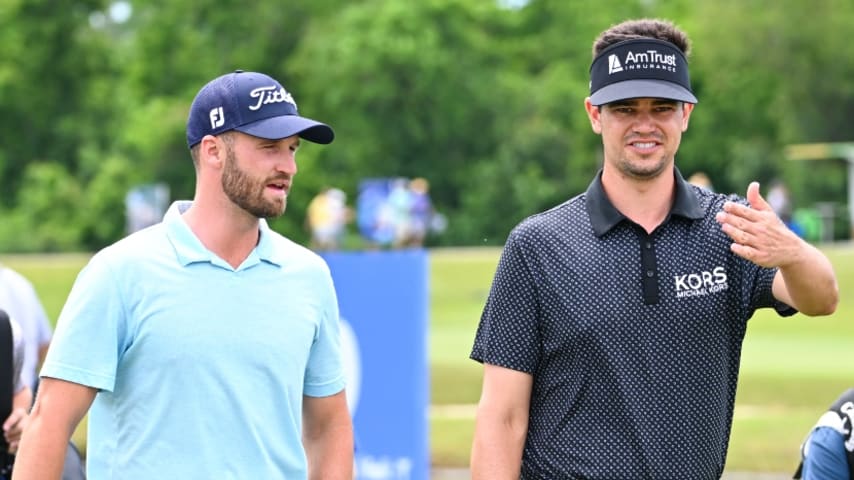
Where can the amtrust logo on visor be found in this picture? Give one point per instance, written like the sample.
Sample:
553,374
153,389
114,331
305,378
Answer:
640,68
648,59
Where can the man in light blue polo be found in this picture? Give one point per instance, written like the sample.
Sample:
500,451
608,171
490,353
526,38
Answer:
207,345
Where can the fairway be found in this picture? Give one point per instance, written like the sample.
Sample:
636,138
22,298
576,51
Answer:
791,368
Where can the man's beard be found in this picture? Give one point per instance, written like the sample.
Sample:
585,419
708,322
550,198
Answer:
641,167
643,171
246,192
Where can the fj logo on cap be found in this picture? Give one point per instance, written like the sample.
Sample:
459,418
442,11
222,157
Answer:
271,94
614,65
217,118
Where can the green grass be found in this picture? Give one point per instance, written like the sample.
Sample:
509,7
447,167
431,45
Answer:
459,284
792,368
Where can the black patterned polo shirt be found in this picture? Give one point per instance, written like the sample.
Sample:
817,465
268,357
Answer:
633,339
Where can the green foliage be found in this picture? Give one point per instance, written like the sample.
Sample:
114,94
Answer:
53,199
52,76
403,84
482,101
103,217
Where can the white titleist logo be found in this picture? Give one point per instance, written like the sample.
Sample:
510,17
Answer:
271,94
217,118
642,60
701,283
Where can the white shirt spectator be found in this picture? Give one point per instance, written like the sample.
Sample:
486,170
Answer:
18,298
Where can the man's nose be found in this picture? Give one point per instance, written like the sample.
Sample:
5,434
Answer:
644,122
287,164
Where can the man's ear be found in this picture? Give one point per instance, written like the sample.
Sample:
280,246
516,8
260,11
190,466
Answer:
212,151
595,116
687,108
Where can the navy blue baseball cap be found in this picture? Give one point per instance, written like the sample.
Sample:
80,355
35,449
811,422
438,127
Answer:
640,68
251,103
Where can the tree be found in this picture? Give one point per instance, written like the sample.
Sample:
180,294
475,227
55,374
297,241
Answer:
55,93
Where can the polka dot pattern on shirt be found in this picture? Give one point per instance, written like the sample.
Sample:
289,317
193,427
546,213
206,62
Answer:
633,340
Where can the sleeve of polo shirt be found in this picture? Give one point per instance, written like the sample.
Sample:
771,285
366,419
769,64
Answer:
508,332
757,291
90,331
324,374
825,455
762,294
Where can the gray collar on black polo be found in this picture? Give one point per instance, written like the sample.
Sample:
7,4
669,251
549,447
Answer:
640,68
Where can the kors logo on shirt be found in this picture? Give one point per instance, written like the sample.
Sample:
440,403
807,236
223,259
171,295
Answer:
701,283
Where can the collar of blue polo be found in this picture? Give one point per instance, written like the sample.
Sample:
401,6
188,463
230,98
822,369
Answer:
640,68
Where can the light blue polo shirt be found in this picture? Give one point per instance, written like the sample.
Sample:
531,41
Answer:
201,367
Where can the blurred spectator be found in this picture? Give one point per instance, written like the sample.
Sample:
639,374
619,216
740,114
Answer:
780,201
396,212
400,205
373,214
145,205
778,198
828,452
16,417
327,219
701,180
421,211
18,298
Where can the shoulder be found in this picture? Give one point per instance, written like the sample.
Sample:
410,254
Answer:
138,248
824,452
714,201
13,280
845,400
563,218
286,251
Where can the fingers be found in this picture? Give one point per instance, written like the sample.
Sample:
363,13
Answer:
738,219
14,426
757,232
755,198
744,251
738,235
10,422
743,216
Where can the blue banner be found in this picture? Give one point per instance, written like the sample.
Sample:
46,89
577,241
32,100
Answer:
383,297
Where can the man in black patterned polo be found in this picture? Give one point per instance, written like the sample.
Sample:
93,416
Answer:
612,334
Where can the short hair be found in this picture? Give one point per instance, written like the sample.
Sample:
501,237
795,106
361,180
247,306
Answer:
642,28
